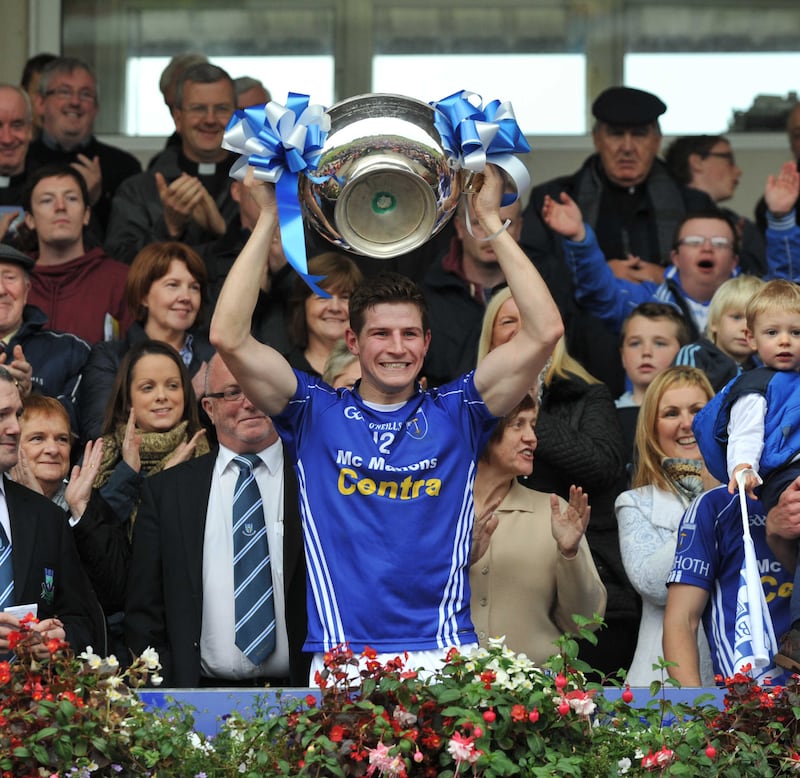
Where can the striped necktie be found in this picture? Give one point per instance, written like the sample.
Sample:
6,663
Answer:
6,571
252,572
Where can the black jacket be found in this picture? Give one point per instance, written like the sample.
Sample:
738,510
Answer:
164,603
580,442
57,358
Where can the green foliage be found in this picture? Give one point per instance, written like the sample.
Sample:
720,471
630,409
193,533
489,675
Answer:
486,715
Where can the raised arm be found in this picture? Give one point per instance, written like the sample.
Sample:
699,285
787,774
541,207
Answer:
263,373
510,370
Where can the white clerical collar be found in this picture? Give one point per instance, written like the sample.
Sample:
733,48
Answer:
206,168
5,182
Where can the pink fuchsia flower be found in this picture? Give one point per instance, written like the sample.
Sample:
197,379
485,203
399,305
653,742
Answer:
664,756
581,702
387,765
462,749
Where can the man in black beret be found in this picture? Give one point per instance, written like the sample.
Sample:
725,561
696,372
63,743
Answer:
634,206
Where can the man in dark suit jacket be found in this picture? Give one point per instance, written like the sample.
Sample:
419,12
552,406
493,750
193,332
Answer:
176,560
46,568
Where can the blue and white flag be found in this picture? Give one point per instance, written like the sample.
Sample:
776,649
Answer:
755,643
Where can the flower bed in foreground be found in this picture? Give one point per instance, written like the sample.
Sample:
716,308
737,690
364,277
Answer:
488,714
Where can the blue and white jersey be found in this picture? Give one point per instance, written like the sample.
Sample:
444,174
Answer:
710,555
387,508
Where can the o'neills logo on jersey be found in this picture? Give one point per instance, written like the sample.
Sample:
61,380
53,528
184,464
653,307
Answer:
408,488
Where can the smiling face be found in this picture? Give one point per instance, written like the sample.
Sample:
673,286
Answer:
776,337
10,413
327,318
627,153
15,132
513,453
704,268
390,347
240,426
46,442
172,302
69,108
676,411
202,118
58,213
157,395
649,346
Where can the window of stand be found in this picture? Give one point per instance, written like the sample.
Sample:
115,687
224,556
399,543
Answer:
707,59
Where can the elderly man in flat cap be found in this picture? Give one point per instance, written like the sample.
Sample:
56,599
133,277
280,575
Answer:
633,205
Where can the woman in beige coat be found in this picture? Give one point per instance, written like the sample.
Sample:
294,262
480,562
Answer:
531,566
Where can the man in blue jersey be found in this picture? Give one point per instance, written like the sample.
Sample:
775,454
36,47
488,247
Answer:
705,585
385,470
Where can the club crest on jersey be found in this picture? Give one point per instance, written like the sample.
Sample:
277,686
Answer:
685,538
417,425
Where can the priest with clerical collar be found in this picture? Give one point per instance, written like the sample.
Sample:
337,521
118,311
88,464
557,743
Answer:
185,194
16,126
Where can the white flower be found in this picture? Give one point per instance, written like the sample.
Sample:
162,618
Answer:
112,661
150,658
86,655
201,745
623,765
638,754
156,680
242,767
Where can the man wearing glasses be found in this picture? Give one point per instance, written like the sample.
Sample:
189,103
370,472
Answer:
704,256
707,163
185,195
68,103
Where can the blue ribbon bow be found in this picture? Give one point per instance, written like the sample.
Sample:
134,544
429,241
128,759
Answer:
280,143
474,134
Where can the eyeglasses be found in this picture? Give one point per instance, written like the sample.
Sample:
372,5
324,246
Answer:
698,241
722,155
68,93
220,111
231,395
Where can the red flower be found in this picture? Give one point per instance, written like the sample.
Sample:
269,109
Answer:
518,713
337,733
488,677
